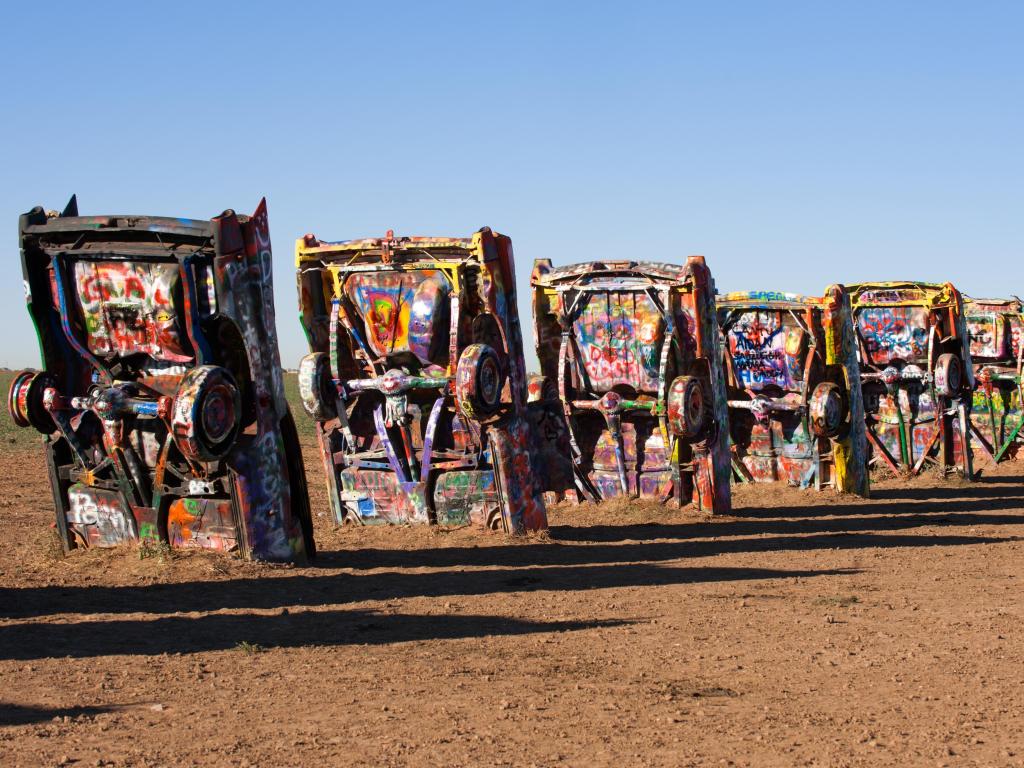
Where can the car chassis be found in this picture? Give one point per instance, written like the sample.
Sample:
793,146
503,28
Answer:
161,398
634,350
795,407
996,327
416,381
916,375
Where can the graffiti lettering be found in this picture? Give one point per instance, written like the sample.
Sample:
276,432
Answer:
757,345
100,515
894,333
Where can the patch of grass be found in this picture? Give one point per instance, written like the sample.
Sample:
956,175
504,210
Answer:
249,649
160,550
838,600
53,549
303,423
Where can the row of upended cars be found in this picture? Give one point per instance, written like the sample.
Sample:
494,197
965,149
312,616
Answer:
162,402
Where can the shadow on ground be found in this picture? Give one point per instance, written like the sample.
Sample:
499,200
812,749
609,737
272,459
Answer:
249,633
312,589
14,714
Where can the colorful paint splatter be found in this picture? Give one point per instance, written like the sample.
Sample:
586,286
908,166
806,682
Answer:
917,376
612,337
796,414
418,385
996,328
161,396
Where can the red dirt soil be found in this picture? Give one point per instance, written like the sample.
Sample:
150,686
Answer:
805,629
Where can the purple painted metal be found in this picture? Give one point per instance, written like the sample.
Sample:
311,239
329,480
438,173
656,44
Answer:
428,440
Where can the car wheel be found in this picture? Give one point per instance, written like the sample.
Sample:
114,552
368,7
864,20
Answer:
479,381
207,413
25,401
688,412
827,409
316,387
949,375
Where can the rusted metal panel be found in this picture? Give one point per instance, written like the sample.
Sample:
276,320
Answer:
161,395
996,328
633,350
417,383
916,374
795,409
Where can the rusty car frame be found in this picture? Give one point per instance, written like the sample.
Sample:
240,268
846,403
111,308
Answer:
795,408
416,381
996,328
160,398
916,374
633,351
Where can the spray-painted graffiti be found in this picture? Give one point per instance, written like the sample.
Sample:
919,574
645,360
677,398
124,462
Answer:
402,311
894,333
757,343
988,335
649,472
173,351
467,498
794,416
205,523
98,517
916,375
419,389
129,307
997,417
617,338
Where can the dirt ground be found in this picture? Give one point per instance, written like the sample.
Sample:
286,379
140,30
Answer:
805,629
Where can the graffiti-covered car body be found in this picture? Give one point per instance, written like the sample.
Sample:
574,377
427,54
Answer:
416,380
916,374
633,349
795,408
996,327
161,395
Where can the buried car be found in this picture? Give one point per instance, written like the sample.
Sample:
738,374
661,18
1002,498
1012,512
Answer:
795,408
416,380
161,397
996,327
632,349
916,374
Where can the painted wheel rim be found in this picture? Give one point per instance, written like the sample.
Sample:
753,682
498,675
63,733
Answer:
489,381
218,416
828,410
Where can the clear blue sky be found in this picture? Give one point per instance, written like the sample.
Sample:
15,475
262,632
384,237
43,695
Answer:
793,143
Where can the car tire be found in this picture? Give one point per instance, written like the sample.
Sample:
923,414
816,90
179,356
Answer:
479,380
207,413
949,375
25,401
687,405
827,409
316,387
